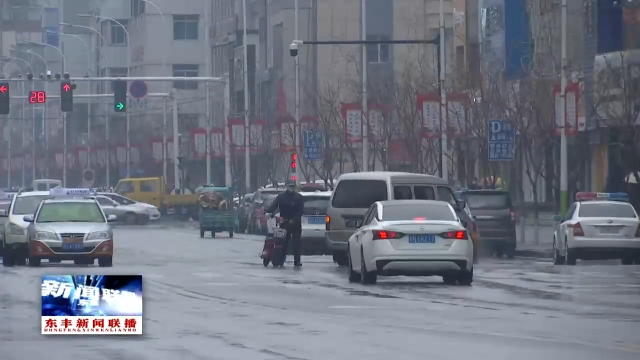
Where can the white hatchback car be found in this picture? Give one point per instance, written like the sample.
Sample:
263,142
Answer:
413,238
598,226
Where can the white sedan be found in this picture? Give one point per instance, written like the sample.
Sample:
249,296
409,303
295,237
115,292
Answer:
598,226
412,238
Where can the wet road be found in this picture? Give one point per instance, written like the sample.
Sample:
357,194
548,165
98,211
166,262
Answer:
213,299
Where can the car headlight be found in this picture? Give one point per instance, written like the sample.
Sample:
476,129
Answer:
98,235
46,235
16,229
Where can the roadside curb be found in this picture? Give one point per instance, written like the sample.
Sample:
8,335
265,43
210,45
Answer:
540,254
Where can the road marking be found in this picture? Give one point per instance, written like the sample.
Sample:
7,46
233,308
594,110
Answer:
351,307
628,285
222,284
206,275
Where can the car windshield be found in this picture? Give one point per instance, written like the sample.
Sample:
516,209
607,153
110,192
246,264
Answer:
607,210
488,200
70,212
316,205
122,200
418,212
27,205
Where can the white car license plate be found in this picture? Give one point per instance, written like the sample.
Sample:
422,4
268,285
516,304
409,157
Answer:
610,229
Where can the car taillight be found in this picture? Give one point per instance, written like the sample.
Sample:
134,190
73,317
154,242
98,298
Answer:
455,235
386,235
513,215
327,222
577,229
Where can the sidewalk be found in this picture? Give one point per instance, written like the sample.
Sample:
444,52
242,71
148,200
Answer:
529,248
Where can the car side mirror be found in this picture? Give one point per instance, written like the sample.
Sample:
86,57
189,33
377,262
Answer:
352,224
557,218
112,218
28,218
460,205
3,213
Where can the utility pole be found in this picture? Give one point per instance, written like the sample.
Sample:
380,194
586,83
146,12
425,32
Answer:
297,133
365,102
564,181
444,141
247,125
207,47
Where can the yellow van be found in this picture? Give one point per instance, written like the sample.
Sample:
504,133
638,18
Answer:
152,191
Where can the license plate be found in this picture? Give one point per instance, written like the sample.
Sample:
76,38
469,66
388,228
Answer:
609,230
73,246
422,239
318,220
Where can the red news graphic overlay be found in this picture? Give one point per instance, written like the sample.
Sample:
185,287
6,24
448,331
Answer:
92,325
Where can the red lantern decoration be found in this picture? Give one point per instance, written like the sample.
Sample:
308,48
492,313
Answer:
571,99
237,135
156,149
217,142
287,127
199,139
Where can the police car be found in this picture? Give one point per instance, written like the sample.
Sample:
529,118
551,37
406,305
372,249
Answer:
60,224
598,226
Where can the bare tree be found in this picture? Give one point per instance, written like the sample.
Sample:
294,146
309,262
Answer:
617,105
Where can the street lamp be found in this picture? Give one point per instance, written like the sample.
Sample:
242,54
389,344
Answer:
64,60
126,32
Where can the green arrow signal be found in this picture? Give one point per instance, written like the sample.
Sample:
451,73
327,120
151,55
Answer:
120,106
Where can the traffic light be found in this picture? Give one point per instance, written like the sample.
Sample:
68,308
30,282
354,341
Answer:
120,96
294,162
66,96
4,98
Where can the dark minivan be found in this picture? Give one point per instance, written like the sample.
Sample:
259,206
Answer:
495,219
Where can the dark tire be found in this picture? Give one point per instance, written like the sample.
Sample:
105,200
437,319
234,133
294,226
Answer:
353,276
465,278
626,261
105,261
201,233
366,277
266,262
20,256
143,220
35,261
340,259
231,234
130,218
7,258
557,258
213,234
572,259
510,252
450,279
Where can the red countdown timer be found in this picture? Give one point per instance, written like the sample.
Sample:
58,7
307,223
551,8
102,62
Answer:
37,97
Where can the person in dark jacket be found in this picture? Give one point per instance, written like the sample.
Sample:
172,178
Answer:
291,206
